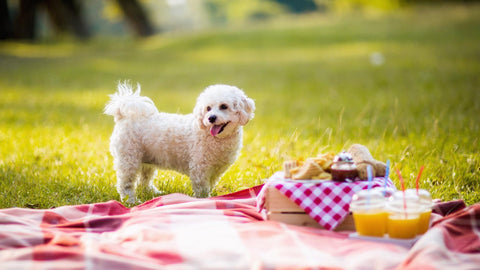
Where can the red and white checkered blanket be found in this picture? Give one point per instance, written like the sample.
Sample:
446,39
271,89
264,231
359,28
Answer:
327,202
179,232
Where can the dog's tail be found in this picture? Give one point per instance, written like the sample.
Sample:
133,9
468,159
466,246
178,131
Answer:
129,104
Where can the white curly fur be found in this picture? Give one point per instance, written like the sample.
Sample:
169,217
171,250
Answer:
202,144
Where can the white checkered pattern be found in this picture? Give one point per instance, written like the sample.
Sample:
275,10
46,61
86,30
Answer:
327,202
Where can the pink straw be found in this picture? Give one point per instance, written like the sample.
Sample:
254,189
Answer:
403,190
418,178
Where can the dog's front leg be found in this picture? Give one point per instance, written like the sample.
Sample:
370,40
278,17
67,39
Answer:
201,189
200,184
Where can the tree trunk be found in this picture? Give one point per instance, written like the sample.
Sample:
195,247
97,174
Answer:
6,26
25,23
65,15
136,17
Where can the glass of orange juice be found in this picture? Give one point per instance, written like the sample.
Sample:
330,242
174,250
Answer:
369,216
426,204
403,215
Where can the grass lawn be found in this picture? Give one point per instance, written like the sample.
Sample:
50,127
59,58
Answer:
315,87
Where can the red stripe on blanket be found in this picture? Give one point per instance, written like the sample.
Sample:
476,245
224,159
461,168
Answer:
462,230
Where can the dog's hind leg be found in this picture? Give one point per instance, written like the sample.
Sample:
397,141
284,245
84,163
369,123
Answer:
128,169
148,173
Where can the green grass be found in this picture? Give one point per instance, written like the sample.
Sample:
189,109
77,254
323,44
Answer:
314,87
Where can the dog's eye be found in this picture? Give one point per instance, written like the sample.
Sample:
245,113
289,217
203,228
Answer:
208,108
223,107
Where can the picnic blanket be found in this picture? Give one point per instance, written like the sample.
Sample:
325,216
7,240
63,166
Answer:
227,232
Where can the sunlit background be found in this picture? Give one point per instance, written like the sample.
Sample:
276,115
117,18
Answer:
401,77
46,19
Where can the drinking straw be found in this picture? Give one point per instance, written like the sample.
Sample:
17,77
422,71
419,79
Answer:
370,177
370,180
403,190
387,173
418,178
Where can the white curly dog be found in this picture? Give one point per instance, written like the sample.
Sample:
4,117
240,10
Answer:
202,144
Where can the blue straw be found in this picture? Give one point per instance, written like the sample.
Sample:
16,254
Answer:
370,180
387,172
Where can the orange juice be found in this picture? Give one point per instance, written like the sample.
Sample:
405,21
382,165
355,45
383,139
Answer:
426,202
369,216
424,222
401,226
404,210
371,223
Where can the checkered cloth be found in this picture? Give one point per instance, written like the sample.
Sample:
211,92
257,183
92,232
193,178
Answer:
179,232
327,202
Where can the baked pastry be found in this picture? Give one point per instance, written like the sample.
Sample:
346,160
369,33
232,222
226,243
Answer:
314,168
362,159
343,167
309,169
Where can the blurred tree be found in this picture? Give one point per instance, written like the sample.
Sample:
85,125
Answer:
24,27
136,17
299,6
66,16
6,26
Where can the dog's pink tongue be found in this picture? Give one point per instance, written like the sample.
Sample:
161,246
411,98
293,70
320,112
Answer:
215,130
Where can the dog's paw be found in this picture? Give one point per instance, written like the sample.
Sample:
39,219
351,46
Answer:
130,200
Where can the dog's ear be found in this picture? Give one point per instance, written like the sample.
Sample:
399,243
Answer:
246,109
199,114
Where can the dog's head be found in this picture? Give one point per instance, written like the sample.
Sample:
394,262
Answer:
222,108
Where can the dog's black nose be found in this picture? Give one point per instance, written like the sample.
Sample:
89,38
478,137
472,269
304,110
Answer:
212,119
